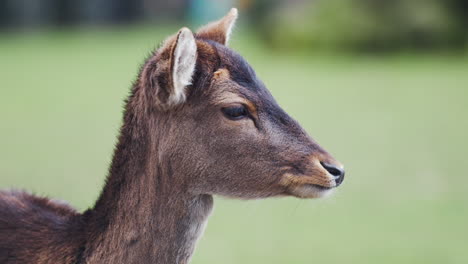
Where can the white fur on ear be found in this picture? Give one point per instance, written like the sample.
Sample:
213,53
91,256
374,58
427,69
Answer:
184,58
231,17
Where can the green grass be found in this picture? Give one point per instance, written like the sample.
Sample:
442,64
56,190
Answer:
399,124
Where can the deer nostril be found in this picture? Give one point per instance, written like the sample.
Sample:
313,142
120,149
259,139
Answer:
334,170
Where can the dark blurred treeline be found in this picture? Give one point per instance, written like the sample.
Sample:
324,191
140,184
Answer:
38,13
305,25
366,25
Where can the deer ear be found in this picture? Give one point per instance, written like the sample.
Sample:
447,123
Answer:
220,30
183,59
170,69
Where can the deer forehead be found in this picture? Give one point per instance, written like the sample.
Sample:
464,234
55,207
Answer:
232,67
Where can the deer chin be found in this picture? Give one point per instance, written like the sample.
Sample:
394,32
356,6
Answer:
310,191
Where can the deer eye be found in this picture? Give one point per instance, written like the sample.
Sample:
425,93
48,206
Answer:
235,112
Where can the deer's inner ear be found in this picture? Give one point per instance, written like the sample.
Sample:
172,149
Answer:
183,59
220,30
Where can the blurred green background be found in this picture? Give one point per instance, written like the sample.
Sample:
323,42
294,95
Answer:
393,107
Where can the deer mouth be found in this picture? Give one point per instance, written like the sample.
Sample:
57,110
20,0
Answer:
310,191
321,187
303,186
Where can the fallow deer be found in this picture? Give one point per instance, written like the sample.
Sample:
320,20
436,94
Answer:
198,122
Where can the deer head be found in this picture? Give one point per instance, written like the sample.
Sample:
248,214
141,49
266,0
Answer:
220,128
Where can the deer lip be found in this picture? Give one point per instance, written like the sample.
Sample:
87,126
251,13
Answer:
308,181
321,187
311,183
309,190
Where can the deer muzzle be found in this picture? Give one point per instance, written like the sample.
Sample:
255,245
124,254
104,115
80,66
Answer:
324,174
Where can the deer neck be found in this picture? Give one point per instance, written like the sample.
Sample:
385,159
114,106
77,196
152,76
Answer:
144,215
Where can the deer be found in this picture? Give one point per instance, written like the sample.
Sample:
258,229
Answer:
198,123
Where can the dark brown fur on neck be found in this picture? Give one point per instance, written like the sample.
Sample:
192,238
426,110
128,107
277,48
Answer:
177,147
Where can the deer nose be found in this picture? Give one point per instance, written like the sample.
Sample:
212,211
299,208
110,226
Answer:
337,172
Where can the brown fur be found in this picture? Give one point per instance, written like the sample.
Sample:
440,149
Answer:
169,161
